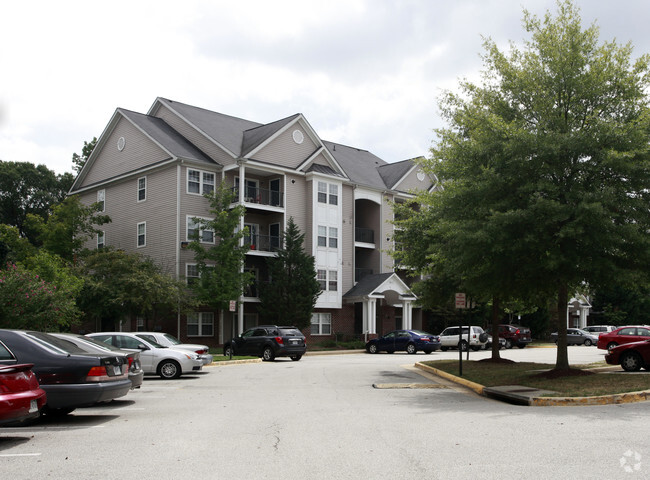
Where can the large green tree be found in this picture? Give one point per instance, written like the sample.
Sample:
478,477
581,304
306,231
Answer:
78,161
545,167
219,251
29,189
291,292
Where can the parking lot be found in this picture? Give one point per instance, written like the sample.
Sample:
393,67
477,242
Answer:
321,417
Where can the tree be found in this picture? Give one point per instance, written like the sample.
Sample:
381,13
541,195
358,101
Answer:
118,284
292,290
78,161
68,227
29,301
545,168
220,265
25,189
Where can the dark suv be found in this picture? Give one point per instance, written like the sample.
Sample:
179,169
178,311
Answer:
268,342
514,335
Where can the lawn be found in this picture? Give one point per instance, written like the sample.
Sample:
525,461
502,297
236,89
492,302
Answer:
583,380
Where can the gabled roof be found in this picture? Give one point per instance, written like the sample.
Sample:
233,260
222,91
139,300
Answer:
376,284
254,137
165,136
392,173
359,165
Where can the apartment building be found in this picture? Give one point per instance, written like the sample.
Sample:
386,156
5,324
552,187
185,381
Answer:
150,172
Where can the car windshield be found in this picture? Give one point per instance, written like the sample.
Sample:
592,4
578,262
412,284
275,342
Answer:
290,332
172,339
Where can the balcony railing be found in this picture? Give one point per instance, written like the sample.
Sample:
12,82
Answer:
261,196
364,235
263,243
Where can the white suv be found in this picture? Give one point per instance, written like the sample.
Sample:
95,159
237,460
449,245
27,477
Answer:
451,338
598,329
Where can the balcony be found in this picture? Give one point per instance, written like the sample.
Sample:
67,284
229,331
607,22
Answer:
364,236
263,243
261,196
359,273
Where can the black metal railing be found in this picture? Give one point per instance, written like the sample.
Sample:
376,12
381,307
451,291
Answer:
263,243
365,235
261,196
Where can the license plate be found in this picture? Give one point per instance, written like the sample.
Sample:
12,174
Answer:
295,342
33,406
117,369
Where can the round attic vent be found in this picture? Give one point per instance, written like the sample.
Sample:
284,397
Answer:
120,143
420,175
298,137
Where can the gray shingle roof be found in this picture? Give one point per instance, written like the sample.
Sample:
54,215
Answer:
166,136
359,165
368,284
254,137
391,173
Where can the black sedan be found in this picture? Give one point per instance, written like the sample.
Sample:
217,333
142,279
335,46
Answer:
90,345
70,377
410,341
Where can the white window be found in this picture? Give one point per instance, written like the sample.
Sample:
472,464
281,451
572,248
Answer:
139,323
200,182
334,194
192,273
101,240
334,237
101,199
333,281
200,324
142,189
322,236
142,234
321,323
322,192
321,276
193,226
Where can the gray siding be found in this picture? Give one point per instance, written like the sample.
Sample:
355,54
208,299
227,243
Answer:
139,151
347,238
386,227
285,152
411,182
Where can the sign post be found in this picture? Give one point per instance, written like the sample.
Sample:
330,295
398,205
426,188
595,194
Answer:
461,303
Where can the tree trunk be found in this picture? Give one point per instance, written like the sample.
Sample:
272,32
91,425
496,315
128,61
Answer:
495,329
562,361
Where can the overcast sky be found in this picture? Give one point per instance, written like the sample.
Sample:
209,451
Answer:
364,73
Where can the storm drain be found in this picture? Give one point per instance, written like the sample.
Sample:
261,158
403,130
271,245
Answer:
407,385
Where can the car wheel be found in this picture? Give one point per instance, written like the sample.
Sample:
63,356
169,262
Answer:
475,348
57,412
463,345
523,345
444,349
228,351
428,352
169,369
295,358
588,343
372,348
508,343
268,355
631,362
612,345
410,349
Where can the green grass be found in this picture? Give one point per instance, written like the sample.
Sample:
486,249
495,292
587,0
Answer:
222,358
528,374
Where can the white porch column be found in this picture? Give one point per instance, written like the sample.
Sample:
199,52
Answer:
369,315
407,314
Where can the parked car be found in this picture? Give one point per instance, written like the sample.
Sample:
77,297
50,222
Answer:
456,337
155,359
513,335
268,342
167,340
410,341
598,329
577,336
91,345
488,344
21,397
628,334
71,377
631,356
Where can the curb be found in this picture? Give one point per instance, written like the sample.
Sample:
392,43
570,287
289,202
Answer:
225,363
615,399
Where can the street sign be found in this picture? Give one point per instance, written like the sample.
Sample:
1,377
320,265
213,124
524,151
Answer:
233,306
460,300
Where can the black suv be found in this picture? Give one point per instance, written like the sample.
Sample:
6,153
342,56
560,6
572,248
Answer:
268,342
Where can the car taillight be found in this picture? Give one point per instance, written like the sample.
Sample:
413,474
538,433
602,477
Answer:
517,332
424,339
97,374
130,362
279,340
200,351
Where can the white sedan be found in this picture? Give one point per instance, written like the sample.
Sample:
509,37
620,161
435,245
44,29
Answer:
155,358
167,340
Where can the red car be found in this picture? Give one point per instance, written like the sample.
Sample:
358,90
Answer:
631,356
628,334
21,397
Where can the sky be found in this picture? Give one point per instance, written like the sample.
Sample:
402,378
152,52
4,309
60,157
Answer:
364,73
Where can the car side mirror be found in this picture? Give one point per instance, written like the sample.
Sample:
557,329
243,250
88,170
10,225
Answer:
142,346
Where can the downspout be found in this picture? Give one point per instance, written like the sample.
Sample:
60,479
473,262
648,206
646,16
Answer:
178,245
